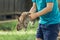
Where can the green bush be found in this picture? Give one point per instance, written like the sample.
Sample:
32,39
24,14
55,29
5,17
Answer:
8,25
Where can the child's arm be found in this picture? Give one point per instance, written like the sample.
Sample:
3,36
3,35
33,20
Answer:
59,4
33,8
47,9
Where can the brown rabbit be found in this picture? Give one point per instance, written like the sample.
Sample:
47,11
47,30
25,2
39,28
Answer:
23,21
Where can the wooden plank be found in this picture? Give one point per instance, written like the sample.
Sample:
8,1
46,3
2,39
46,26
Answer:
28,5
6,5
1,5
12,6
20,5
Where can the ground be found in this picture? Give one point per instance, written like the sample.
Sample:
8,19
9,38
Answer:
30,34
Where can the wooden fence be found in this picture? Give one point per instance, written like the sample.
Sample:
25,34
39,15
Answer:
9,8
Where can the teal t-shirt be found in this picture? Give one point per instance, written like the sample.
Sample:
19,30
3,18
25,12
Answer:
52,17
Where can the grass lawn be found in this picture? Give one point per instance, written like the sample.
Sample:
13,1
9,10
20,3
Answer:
30,34
17,35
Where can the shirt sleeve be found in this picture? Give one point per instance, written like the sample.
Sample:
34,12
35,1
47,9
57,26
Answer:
33,0
49,1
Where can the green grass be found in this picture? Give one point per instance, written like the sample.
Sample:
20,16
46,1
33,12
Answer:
17,36
8,25
30,34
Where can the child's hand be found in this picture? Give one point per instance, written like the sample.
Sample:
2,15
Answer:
33,16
